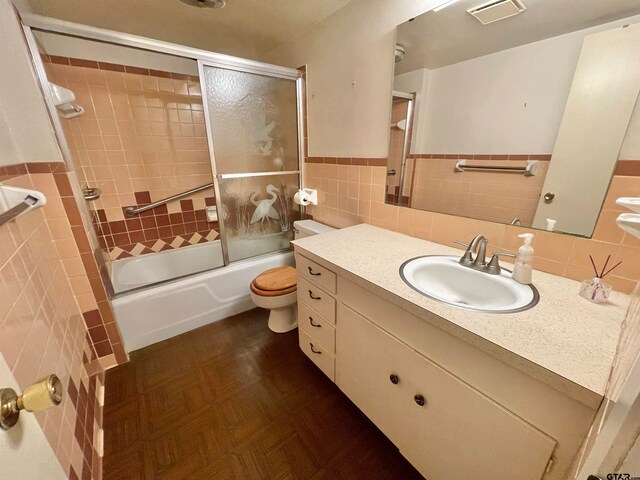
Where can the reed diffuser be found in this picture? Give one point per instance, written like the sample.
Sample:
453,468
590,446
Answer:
595,290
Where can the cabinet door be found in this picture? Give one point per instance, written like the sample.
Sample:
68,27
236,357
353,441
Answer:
458,433
364,365
461,433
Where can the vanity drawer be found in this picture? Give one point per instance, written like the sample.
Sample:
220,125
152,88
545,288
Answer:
318,354
317,327
316,273
317,299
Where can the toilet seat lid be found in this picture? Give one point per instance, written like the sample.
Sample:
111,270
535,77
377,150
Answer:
275,279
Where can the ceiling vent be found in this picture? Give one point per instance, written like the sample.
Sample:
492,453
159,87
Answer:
497,10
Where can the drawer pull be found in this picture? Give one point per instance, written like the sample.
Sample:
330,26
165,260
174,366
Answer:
419,399
312,297
314,350
314,274
314,324
394,379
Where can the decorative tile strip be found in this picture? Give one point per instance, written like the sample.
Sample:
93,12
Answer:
162,245
362,162
114,67
628,168
543,157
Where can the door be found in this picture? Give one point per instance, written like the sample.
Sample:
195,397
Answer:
601,100
255,139
445,428
369,372
25,452
460,433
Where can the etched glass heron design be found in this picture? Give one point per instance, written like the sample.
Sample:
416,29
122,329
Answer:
264,208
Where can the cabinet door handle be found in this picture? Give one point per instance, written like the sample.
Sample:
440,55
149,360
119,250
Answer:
419,399
318,352
311,272
394,379
312,297
314,324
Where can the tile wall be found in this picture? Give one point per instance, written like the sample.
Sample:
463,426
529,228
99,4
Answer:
487,195
142,138
42,286
351,191
157,229
77,252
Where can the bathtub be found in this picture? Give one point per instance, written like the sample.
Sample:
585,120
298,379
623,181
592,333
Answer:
164,311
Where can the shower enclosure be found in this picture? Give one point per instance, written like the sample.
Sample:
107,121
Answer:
189,160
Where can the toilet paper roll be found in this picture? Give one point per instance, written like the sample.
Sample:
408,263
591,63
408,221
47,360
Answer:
301,198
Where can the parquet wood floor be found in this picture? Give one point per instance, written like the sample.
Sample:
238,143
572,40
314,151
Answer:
234,401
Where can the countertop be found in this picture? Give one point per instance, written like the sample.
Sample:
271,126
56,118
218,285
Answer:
564,340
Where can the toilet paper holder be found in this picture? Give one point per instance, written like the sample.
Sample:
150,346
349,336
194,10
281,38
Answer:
306,196
38,396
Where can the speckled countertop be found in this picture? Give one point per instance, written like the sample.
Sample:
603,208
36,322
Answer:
564,340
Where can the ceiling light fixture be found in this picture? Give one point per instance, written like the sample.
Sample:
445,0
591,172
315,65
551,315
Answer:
444,5
205,3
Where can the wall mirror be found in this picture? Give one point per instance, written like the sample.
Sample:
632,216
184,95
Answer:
515,113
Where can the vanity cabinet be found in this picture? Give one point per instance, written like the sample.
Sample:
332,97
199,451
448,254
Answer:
445,428
453,410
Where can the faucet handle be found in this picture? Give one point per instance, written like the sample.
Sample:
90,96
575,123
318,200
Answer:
493,267
467,257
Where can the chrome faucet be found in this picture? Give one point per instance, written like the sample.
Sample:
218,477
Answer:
479,246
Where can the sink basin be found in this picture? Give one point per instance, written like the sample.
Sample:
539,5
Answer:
442,278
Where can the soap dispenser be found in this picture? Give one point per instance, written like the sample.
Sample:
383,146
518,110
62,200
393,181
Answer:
523,267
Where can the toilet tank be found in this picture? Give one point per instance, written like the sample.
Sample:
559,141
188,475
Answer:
307,228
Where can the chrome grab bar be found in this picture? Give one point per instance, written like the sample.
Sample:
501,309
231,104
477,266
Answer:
131,211
529,170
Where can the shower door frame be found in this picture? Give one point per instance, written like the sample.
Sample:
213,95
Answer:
31,22
265,70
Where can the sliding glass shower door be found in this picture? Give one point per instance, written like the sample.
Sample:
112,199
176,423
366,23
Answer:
254,136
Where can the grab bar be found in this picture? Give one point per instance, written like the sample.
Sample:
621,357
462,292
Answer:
131,211
529,170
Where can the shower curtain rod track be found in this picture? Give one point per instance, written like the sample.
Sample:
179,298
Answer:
132,211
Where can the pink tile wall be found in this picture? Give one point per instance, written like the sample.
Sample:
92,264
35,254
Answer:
43,331
487,195
142,131
352,194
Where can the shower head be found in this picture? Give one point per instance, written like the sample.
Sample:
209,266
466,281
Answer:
64,99
205,3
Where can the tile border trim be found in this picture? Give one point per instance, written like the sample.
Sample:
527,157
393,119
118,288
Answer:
8,172
356,161
628,168
543,157
115,67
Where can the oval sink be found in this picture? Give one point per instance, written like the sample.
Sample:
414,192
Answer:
442,278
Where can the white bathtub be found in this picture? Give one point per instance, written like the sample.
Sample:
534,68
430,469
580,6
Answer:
164,311
136,272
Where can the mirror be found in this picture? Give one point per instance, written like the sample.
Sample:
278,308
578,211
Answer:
515,113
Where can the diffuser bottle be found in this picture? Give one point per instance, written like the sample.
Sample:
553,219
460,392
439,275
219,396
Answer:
523,268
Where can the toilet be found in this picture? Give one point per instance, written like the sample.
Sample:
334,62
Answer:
276,289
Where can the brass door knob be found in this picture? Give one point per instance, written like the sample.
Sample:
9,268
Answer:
38,396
